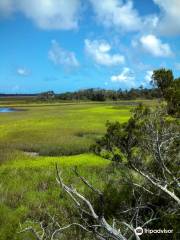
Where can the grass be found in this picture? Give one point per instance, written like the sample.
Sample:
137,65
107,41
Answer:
61,133
57,129
21,161
28,188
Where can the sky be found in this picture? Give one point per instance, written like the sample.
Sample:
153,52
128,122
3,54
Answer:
67,45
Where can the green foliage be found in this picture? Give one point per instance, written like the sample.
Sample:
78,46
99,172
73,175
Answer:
134,144
173,97
169,87
162,78
116,198
106,154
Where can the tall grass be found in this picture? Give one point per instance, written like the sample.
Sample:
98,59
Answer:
57,130
28,188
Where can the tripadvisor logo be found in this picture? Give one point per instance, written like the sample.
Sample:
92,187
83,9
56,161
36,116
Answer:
139,231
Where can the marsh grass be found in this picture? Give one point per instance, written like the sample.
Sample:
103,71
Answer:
57,130
60,133
28,188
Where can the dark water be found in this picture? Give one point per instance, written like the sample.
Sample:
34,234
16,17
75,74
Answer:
5,110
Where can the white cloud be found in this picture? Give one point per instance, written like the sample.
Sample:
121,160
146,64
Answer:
169,19
60,56
47,14
126,76
115,13
148,76
23,71
99,51
151,44
122,15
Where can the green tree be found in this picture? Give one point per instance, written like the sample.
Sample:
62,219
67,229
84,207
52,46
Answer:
163,79
169,88
173,97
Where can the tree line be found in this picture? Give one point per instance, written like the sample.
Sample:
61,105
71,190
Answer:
114,95
97,94
163,83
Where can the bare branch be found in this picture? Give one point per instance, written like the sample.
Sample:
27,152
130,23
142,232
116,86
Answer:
157,185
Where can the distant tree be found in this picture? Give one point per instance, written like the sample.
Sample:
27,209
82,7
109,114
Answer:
49,95
113,95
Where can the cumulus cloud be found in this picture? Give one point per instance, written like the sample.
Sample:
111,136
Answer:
169,19
151,44
122,15
117,14
23,71
126,76
47,14
148,76
62,57
100,52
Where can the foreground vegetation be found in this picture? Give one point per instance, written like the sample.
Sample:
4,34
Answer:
28,189
30,195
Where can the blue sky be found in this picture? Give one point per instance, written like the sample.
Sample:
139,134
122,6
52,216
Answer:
66,45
